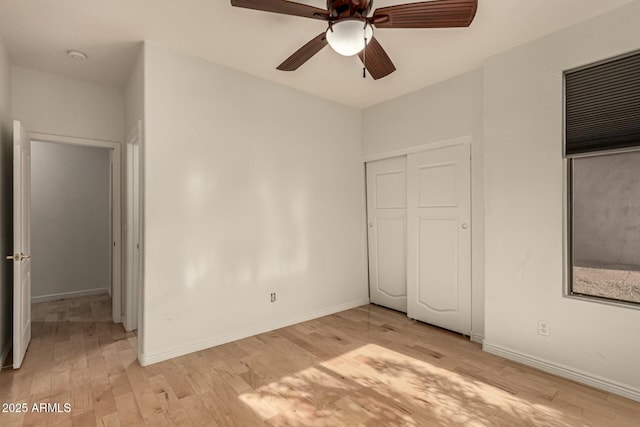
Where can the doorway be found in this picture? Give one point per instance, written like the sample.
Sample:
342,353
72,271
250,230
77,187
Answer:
62,232
76,219
71,227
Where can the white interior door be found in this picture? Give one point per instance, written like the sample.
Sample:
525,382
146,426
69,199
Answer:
439,244
21,243
386,215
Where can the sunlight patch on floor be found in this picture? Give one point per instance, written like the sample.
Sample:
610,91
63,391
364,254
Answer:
362,382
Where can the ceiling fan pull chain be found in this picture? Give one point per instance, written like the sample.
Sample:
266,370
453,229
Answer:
364,63
364,54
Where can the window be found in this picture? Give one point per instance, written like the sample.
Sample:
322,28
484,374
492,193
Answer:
602,147
605,226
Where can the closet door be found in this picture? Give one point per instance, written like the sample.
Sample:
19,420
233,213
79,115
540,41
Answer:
386,214
439,243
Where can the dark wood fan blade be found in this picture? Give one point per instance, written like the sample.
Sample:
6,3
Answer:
428,14
283,6
304,54
376,60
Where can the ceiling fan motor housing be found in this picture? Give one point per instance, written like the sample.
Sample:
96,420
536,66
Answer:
349,8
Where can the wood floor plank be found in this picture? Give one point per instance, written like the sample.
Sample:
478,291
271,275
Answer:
368,366
84,419
103,401
111,420
128,410
197,410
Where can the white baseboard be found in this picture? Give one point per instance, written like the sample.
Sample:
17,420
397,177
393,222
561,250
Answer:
595,381
146,360
5,351
67,295
475,337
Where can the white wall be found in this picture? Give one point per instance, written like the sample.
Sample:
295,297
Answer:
70,220
6,205
53,104
134,94
250,188
444,111
524,210
436,113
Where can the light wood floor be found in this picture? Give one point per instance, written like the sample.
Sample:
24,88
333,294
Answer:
363,367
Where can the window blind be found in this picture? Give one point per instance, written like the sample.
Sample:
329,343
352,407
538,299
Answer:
602,110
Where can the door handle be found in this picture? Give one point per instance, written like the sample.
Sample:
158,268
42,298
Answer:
18,257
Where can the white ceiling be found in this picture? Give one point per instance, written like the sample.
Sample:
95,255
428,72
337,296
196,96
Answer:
39,32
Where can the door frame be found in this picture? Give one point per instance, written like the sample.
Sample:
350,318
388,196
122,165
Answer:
116,208
132,267
418,149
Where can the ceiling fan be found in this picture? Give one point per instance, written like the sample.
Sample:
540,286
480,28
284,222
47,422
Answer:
350,29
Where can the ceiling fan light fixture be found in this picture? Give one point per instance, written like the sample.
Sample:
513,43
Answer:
347,36
77,55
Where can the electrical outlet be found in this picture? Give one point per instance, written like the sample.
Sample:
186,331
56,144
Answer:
273,297
543,328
